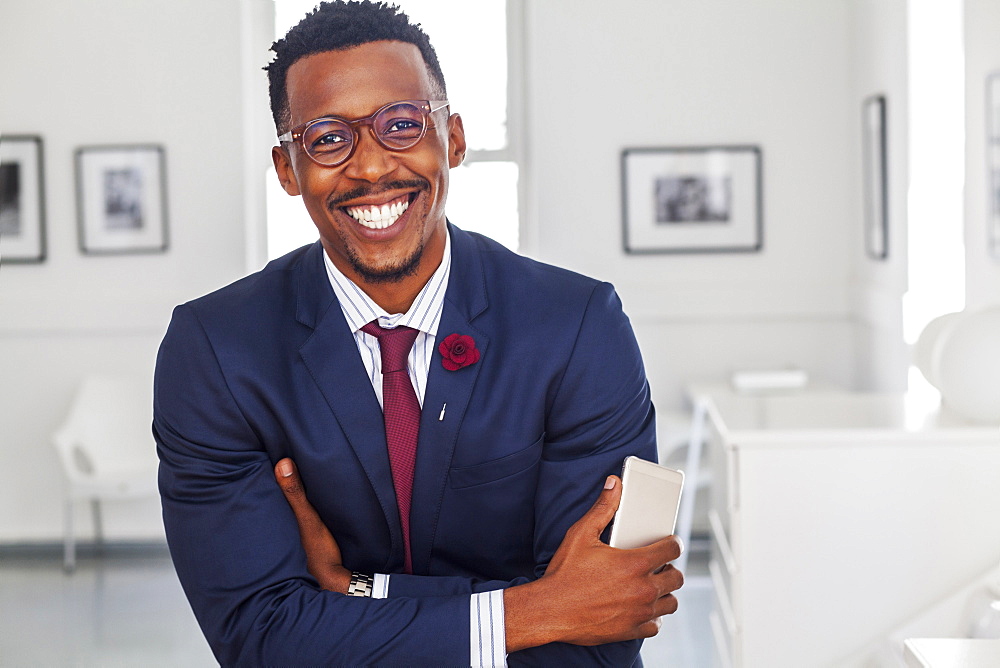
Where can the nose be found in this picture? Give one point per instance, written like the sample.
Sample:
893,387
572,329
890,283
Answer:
371,161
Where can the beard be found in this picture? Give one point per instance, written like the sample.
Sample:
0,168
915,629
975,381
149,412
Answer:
391,273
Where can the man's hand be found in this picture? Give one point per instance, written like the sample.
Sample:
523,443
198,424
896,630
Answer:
592,593
322,553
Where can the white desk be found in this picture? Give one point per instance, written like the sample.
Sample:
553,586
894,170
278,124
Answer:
836,516
952,653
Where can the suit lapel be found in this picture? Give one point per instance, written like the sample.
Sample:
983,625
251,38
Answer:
332,358
447,396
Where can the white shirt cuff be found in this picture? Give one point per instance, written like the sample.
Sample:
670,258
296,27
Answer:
380,585
488,639
487,635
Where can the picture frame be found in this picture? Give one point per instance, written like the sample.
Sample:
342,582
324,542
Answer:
122,199
22,199
993,162
692,199
875,177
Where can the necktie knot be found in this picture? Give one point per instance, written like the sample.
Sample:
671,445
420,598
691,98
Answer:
394,345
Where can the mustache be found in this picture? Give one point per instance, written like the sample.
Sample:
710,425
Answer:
367,191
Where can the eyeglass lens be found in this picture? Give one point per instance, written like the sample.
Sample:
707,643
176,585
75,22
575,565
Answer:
396,127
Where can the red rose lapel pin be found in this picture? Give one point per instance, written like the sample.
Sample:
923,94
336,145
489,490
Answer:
458,351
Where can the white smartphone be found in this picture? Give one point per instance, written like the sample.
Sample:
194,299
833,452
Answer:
651,496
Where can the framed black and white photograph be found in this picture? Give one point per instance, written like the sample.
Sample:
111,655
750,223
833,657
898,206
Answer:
699,199
875,171
22,199
993,161
122,199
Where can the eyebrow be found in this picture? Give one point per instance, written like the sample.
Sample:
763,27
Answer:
316,118
341,117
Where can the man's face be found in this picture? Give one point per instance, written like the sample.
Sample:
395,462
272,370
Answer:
354,83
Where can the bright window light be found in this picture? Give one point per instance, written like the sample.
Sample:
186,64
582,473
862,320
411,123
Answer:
936,248
473,197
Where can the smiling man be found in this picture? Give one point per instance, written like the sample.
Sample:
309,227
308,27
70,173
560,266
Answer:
379,205
396,445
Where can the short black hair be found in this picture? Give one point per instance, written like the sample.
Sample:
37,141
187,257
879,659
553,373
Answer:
339,25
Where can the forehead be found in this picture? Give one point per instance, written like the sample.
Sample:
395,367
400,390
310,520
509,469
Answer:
355,82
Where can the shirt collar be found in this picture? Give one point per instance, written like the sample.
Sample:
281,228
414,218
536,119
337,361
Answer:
424,314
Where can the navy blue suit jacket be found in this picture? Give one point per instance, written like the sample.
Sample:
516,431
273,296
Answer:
267,368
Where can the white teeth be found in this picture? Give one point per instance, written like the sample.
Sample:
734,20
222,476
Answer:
379,217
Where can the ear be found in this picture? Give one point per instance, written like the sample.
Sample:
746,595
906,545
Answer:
283,166
456,141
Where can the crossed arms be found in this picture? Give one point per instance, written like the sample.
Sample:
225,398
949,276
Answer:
590,594
262,599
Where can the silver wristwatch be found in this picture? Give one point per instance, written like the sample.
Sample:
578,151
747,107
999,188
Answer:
361,584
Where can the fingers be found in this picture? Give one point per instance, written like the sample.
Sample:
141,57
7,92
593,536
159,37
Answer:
661,552
288,479
666,605
649,629
323,558
603,510
670,579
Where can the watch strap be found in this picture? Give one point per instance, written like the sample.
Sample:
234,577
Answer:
361,584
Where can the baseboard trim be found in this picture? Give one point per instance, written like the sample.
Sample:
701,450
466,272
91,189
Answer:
54,550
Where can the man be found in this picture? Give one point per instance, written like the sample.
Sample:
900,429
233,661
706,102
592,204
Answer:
450,539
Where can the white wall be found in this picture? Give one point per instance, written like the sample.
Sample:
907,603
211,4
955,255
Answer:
784,74
879,66
114,72
982,57
776,73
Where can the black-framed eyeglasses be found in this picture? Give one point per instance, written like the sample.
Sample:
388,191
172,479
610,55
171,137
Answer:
330,141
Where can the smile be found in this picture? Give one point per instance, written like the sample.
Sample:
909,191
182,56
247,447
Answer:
379,217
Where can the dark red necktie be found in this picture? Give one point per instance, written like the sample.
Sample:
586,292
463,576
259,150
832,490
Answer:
401,412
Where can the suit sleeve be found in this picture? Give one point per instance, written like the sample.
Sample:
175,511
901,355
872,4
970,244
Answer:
599,413
235,543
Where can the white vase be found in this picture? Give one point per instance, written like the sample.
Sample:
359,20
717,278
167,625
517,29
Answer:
959,354
929,342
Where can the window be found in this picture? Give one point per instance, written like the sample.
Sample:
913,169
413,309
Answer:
936,246
473,48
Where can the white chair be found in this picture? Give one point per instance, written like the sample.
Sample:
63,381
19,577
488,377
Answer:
106,449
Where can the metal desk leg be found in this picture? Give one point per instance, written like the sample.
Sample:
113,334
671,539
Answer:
685,514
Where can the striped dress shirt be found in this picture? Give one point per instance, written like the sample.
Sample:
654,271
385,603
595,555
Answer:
487,636
424,316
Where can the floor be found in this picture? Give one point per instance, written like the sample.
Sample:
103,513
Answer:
685,638
127,609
